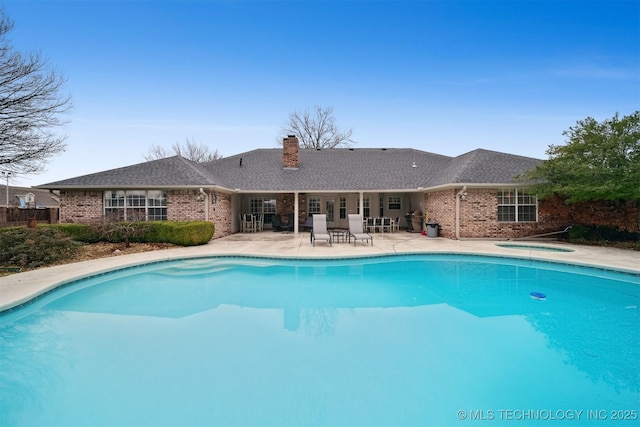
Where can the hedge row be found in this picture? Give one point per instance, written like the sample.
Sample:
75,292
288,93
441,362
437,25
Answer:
179,233
600,233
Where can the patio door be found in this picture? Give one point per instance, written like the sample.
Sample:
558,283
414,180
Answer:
263,206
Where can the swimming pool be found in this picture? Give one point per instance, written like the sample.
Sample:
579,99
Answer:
398,340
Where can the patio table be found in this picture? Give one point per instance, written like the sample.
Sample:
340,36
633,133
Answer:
338,234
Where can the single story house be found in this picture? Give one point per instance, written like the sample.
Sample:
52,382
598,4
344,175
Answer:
27,198
474,195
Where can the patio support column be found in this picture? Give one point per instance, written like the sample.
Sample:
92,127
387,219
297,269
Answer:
361,204
295,212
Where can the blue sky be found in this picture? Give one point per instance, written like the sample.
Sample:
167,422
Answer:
441,76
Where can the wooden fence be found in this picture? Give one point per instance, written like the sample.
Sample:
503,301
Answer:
14,216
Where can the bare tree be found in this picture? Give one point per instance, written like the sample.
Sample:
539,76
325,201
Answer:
191,150
317,129
30,108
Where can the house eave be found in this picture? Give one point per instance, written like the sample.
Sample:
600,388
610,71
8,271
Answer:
133,187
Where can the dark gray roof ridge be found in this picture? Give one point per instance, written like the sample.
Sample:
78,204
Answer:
198,169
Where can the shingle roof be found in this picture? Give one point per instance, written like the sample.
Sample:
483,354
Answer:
484,167
173,171
344,169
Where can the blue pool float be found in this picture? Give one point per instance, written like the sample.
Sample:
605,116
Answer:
538,295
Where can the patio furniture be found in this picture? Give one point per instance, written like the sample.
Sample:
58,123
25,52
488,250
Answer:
395,225
386,224
259,222
276,223
288,226
371,225
248,224
356,231
308,225
338,234
319,231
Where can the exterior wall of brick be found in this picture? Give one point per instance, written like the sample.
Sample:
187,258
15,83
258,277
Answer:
187,205
478,212
479,216
222,215
183,205
441,208
625,216
285,205
79,206
290,152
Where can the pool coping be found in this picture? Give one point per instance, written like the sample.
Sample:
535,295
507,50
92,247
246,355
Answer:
21,289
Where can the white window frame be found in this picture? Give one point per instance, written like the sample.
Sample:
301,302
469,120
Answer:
314,205
515,206
394,200
147,205
367,207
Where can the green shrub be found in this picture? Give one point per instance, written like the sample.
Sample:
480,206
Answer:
26,247
600,233
180,233
80,232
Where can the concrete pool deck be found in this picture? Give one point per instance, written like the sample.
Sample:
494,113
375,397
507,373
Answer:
19,288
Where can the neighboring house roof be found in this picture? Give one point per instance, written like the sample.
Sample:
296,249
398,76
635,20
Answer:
43,198
342,169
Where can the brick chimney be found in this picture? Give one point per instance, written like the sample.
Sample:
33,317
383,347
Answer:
290,152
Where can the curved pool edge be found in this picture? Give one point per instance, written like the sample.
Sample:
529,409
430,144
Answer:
21,289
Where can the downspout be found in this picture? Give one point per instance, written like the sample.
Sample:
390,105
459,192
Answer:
459,194
206,204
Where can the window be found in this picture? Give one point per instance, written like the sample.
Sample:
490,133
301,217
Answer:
263,206
517,206
136,205
367,207
395,203
343,207
314,205
156,205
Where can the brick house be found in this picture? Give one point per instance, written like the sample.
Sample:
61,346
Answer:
473,195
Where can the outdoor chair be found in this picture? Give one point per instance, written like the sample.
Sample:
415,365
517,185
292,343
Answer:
386,224
259,222
356,231
319,231
371,225
276,223
396,224
248,224
308,225
289,225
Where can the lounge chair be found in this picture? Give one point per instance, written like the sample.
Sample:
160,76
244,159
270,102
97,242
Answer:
319,231
356,231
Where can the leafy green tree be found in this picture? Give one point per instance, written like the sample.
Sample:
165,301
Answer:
600,161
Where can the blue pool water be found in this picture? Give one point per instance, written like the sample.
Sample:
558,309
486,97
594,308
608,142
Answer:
400,340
